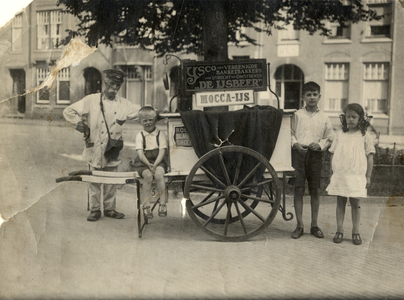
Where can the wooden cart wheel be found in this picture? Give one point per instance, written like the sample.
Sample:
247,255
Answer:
234,201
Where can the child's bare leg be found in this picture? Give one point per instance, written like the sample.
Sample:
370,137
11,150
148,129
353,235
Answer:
159,177
298,203
356,214
147,181
341,203
315,206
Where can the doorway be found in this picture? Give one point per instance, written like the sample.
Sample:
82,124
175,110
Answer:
93,81
18,102
289,82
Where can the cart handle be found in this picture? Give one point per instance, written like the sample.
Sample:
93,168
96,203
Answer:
105,173
68,178
94,179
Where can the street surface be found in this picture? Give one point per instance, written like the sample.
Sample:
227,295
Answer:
49,251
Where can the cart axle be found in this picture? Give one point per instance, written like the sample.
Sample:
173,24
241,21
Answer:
232,194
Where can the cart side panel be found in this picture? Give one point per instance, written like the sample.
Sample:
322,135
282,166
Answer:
182,156
281,159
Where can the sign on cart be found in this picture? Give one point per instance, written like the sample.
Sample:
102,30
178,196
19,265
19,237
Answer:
199,76
210,99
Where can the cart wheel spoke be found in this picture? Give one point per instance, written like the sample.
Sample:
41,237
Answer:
241,219
249,187
207,202
207,197
264,182
215,206
257,199
246,189
237,173
252,210
201,213
249,175
208,188
213,177
226,174
228,218
214,213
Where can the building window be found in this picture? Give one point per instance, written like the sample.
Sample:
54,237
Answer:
288,34
16,41
48,29
93,81
289,82
376,86
340,32
138,86
336,86
241,35
60,87
63,86
379,28
42,94
148,73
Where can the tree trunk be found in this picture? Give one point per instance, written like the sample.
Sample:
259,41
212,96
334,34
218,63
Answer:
214,30
214,35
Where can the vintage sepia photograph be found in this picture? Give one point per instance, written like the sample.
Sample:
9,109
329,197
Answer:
201,149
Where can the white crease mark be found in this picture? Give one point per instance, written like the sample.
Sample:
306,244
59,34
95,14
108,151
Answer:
28,207
77,157
2,220
183,207
72,54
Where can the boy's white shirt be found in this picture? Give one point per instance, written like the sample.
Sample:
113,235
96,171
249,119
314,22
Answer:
151,142
315,128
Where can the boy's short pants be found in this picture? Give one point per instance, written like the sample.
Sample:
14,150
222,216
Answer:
151,156
307,166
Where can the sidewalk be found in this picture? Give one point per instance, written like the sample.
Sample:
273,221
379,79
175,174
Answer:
52,250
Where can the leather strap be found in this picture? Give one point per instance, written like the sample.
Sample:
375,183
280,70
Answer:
102,110
144,140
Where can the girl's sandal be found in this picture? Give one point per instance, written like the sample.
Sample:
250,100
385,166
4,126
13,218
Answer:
356,239
338,237
147,212
162,210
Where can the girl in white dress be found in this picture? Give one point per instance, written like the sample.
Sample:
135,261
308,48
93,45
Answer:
352,164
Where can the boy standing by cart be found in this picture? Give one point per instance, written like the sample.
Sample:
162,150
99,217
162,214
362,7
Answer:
312,133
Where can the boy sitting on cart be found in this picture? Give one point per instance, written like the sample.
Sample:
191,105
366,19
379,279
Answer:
151,147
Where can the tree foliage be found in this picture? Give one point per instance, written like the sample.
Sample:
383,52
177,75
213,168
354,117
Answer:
177,25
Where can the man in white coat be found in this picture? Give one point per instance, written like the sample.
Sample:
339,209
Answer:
100,117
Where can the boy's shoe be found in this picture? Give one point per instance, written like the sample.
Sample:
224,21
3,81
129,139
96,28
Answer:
338,237
113,214
356,239
297,233
316,231
147,212
94,216
162,210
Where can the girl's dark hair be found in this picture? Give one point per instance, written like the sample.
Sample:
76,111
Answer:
364,120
